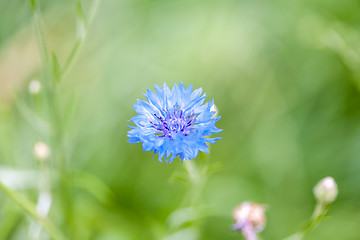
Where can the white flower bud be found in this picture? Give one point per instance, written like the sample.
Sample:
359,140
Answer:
250,213
41,151
34,87
326,190
214,109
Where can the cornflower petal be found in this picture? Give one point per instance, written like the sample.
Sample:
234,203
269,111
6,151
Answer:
174,122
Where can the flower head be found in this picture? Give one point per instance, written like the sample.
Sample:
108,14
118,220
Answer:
174,122
250,213
41,151
250,219
34,87
326,190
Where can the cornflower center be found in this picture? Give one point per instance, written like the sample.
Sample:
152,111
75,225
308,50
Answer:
174,121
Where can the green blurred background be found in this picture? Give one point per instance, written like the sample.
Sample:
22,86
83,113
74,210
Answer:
284,75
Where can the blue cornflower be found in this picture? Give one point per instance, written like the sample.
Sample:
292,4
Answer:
174,122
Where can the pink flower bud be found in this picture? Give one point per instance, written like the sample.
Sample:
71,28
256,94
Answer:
250,219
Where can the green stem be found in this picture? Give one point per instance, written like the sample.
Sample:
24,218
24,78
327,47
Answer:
196,180
79,42
54,115
71,57
317,216
30,209
198,171
52,74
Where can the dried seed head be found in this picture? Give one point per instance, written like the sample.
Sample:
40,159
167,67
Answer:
326,190
41,151
250,213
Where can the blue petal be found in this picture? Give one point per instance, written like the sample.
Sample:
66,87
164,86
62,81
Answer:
157,109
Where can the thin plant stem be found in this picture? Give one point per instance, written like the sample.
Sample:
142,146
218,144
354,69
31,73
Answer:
197,181
197,171
318,215
81,38
30,209
52,75
54,114
44,198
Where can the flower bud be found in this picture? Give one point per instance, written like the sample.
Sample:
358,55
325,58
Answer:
249,213
326,190
34,87
214,109
41,151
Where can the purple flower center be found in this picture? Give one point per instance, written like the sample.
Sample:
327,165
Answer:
174,121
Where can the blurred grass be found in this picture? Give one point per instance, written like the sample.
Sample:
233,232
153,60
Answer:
284,75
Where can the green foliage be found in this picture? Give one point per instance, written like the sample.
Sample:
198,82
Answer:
284,76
